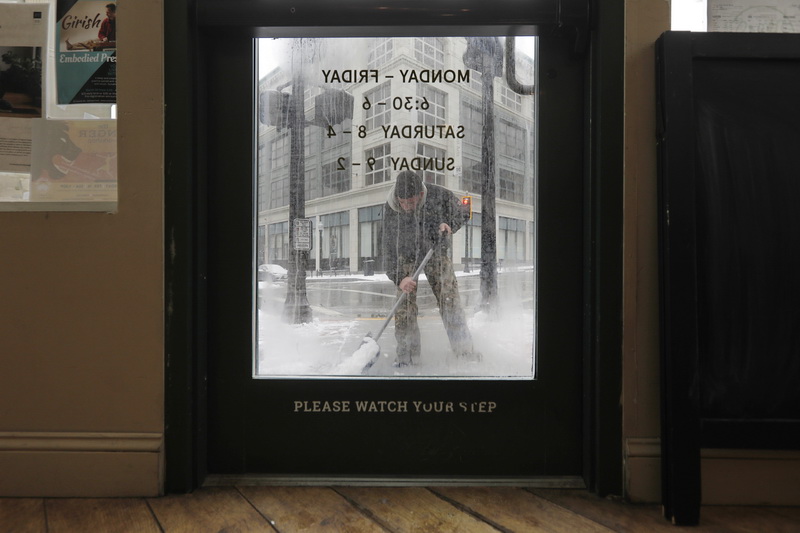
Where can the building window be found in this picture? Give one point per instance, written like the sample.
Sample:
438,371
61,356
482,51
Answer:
334,136
262,177
433,163
336,240
429,51
281,149
472,119
261,255
279,192
262,194
377,165
311,184
436,112
475,81
511,240
511,186
511,140
310,140
370,225
278,242
472,176
381,53
472,237
510,99
336,176
379,111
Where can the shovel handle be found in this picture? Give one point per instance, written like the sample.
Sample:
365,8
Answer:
402,297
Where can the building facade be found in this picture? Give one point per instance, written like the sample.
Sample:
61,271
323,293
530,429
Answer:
414,106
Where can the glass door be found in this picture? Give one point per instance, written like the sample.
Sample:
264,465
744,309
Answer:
341,120
395,257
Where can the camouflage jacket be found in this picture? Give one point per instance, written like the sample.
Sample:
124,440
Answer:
407,237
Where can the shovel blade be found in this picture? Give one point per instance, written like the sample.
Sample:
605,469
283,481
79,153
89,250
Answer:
362,359
369,351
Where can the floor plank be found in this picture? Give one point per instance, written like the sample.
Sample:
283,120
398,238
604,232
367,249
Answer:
22,515
208,510
94,514
751,519
624,517
373,510
616,515
308,509
515,509
413,510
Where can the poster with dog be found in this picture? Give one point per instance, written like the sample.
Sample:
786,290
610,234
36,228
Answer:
74,161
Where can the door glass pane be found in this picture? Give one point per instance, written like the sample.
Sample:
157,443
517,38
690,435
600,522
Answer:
370,153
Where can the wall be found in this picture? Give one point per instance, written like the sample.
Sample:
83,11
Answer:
81,307
645,20
729,476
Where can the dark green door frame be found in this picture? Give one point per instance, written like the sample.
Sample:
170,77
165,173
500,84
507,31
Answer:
185,261
184,258
603,256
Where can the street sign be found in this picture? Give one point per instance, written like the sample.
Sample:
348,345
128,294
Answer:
302,234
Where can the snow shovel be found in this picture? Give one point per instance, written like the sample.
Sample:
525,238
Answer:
369,351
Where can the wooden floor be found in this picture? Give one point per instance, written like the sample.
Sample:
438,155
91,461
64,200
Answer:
368,509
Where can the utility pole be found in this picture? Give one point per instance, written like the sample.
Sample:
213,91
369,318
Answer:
331,107
296,309
485,55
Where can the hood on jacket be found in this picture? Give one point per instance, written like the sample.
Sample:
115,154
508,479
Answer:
392,198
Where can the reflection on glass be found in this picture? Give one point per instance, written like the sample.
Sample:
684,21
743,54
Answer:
371,152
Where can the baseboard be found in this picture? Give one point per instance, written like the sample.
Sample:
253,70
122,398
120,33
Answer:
729,477
72,464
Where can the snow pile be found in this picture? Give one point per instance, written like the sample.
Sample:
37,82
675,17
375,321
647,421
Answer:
356,363
301,349
336,342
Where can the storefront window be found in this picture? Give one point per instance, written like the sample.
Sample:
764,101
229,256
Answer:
374,110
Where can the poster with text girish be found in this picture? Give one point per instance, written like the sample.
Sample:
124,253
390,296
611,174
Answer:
86,64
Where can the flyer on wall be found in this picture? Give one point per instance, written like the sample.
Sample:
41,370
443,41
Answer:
23,37
86,52
74,161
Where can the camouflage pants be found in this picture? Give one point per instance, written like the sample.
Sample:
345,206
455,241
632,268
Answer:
442,280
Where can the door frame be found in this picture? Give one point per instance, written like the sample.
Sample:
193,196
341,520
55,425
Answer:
186,264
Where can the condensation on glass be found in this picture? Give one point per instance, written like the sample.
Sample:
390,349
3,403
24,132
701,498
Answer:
338,120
